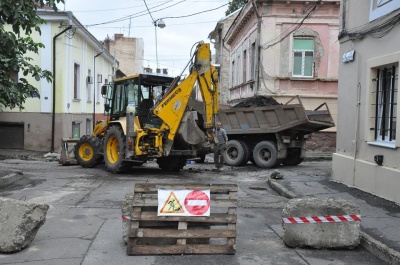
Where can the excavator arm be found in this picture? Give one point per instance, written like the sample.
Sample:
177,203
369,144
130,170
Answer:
174,104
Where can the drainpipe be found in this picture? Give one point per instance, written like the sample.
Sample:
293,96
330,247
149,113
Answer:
257,55
53,121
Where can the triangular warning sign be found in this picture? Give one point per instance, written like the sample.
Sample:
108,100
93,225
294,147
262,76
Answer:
172,205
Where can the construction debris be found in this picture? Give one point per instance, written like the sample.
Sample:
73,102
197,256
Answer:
19,223
276,174
321,223
257,101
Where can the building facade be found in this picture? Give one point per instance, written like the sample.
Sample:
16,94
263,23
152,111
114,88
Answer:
367,155
128,51
298,54
68,107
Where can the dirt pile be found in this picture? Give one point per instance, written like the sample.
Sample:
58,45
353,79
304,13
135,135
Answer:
257,101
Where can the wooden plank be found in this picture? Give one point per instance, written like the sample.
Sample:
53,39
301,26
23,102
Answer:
214,188
213,218
180,249
173,233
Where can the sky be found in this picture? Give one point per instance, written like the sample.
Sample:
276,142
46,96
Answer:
134,19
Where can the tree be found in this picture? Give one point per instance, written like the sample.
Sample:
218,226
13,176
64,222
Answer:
235,5
21,16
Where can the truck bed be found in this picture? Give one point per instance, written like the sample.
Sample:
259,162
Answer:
273,119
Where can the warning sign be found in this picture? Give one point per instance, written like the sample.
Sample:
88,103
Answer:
183,203
172,205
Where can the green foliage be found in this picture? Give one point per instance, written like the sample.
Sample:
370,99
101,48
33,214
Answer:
21,16
235,5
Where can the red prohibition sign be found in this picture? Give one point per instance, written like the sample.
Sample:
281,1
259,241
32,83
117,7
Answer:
197,202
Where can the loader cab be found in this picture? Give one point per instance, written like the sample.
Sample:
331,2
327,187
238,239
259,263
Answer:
136,94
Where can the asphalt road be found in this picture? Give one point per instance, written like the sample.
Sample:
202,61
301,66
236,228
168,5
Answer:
84,223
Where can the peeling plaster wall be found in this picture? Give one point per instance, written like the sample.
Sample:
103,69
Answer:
278,28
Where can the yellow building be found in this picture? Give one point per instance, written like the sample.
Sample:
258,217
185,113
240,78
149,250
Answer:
67,107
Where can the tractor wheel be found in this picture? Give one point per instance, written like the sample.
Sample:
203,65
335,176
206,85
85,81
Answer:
265,154
171,163
88,151
114,150
293,157
237,153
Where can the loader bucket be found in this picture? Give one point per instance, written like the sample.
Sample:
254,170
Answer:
67,156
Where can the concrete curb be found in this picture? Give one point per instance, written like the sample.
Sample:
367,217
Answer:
10,178
388,255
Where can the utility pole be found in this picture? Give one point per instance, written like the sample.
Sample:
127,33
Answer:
257,55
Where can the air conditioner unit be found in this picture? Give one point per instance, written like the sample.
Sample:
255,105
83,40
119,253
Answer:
89,80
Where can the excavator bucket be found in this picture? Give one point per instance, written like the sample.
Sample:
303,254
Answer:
67,156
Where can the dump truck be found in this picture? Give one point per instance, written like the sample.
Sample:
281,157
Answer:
149,118
271,135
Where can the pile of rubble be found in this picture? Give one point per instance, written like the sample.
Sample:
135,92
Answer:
257,101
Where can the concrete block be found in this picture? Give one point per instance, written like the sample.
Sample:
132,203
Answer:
321,235
19,223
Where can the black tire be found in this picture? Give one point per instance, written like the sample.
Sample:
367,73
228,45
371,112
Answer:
265,154
293,157
88,151
114,150
236,153
171,163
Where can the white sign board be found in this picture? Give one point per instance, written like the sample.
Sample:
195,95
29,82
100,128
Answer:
183,203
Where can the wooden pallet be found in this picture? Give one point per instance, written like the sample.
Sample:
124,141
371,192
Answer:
150,234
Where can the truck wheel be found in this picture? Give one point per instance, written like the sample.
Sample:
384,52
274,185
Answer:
171,163
114,150
293,157
265,154
237,153
88,151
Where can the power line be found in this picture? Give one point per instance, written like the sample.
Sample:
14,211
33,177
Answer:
289,32
132,16
135,15
194,14
130,7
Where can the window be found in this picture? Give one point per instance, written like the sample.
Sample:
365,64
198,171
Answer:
237,71
244,66
77,77
379,8
303,57
386,104
88,87
233,74
253,59
76,130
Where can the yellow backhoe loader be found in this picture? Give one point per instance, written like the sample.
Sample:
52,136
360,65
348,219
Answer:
150,118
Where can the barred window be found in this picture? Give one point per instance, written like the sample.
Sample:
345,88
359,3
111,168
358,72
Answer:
386,104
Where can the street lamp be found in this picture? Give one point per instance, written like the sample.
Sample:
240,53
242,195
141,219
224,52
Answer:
158,23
